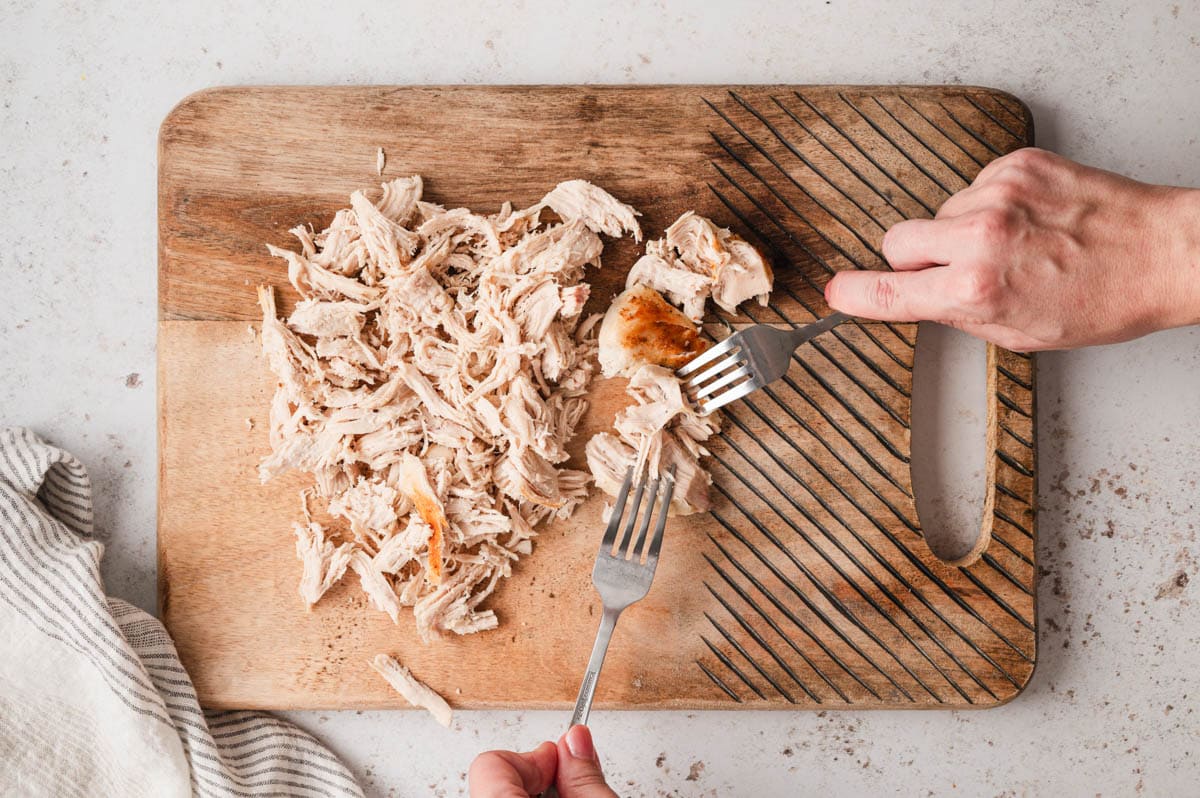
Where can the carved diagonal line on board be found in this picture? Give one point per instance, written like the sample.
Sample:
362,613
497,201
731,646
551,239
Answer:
795,239
740,649
970,131
733,585
763,644
1016,553
781,169
833,393
836,334
899,545
849,167
863,480
808,603
1013,464
859,149
789,204
853,583
991,116
1015,436
929,120
796,151
791,616
1013,406
719,682
865,389
1010,493
883,134
1017,380
1008,519
734,669
788,410
1007,104
826,593
925,145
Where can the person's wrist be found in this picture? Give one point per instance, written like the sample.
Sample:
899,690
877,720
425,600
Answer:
1179,259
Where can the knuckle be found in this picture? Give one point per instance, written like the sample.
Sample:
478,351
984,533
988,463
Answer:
993,228
1025,158
980,290
1006,192
892,239
884,292
586,779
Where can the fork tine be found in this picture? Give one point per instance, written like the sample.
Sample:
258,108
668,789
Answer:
714,352
717,385
664,508
732,395
736,359
634,552
618,510
627,531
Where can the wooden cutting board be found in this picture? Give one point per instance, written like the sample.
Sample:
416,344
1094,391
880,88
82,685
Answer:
808,585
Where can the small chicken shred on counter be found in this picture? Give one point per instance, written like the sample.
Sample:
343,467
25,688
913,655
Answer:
413,690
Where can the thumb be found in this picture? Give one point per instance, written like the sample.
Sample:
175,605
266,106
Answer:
507,774
892,296
579,774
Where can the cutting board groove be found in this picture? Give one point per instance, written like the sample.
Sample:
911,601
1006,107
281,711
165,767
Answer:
809,584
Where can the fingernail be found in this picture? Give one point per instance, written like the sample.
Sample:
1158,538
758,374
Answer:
579,743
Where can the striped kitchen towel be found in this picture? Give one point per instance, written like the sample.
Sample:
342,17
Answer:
93,700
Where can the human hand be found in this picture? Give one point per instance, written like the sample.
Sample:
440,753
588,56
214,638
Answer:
1041,253
572,766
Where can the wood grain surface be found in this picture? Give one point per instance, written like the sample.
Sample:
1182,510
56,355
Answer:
808,585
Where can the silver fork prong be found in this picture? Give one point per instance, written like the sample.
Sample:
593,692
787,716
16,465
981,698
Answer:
635,552
618,510
714,352
733,361
717,385
663,512
631,518
732,395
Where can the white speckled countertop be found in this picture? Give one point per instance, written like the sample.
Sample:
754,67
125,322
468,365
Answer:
1116,84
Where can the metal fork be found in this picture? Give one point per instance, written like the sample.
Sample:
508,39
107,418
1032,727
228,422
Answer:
620,575
622,578
746,361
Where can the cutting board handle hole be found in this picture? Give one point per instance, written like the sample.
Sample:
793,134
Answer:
949,434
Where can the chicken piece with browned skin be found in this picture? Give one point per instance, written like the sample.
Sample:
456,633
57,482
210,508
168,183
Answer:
641,327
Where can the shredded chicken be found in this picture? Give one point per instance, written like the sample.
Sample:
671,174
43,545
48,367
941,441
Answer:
646,338
579,199
324,562
657,432
696,260
430,377
414,691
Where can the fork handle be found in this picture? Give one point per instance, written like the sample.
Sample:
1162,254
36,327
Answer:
808,332
583,704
